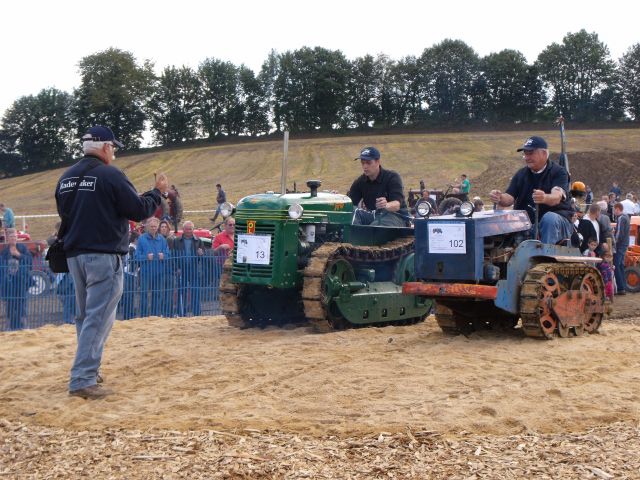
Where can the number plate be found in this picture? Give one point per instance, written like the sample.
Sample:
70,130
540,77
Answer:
447,238
253,249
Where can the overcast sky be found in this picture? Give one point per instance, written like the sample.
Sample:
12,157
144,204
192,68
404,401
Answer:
42,41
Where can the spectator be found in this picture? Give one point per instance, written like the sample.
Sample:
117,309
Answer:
221,197
131,270
464,187
167,283
540,184
589,228
165,231
629,206
615,189
588,199
15,269
611,201
622,243
175,207
606,270
8,218
95,240
151,253
592,244
606,231
223,242
426,195
187,253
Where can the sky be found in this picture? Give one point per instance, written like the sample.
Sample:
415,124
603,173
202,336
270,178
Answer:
42,41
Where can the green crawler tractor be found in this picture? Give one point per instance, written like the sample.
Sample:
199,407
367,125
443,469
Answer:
297,258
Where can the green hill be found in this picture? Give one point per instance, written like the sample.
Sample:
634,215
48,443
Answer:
489,158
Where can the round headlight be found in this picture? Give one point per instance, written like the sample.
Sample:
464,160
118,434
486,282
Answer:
423,208
295,211
466,209
226,209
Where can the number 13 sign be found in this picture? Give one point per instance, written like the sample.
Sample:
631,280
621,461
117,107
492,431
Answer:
253,249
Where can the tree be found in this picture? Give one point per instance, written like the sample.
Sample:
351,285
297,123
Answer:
267,78
449,72
574,72
220,108
310,91
363,92
114,91
256,116
173,106
629,73
512,90
39,129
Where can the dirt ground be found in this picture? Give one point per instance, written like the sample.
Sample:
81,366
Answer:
195,398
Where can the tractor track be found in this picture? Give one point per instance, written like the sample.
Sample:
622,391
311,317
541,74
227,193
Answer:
535,297
313,299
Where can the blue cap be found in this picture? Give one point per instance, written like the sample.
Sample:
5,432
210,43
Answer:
532,143
101,134
369,153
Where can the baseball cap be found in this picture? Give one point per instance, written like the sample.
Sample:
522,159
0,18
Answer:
101,134
532,143
369,153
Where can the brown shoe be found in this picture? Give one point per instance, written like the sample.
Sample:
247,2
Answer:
99,378
92,392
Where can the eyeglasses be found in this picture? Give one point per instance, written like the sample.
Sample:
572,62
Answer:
231,224
113,145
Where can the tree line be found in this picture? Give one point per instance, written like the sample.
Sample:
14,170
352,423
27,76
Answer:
316,89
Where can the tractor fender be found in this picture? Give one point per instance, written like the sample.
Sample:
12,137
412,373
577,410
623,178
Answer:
527,255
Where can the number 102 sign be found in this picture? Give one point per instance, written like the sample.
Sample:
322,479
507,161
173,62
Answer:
447,238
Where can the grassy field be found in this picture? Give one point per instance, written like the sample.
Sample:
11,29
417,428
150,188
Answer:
489,158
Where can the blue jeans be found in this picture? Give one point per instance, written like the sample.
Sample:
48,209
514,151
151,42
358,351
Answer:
618,263
554,228
98,281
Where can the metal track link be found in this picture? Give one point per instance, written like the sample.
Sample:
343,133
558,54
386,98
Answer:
314,304
228,297
533,297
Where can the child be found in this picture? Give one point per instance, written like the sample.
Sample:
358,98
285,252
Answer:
591,251
606,270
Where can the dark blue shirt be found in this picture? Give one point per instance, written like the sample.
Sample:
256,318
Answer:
524,182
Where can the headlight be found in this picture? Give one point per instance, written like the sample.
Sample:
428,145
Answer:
226,209
466,209
423,208
295,211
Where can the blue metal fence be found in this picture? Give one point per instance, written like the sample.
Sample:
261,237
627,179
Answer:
174,287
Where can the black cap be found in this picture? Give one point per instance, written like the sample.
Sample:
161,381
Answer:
369,153
101,134
532,143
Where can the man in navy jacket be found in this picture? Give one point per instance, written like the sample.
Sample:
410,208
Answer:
96,238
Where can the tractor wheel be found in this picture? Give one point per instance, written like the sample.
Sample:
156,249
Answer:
447,204
632,274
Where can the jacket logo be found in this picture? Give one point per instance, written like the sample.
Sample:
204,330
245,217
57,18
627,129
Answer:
251,226
68,184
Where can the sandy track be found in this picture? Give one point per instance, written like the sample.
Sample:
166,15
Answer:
190,374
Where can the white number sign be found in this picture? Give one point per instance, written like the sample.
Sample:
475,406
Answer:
253,249
447,238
